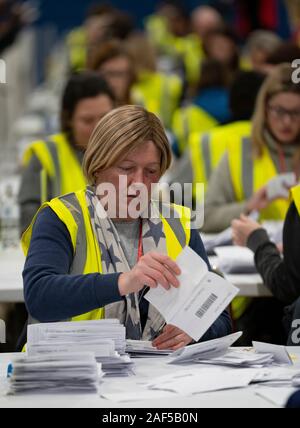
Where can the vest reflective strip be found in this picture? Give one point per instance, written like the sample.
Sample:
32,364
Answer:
247,167
175,224
56,180
205,142
79,261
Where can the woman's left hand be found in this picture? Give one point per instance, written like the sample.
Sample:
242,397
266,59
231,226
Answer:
242,229
172,338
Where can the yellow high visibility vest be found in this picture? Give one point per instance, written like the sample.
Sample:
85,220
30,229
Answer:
72,210
59,163
190,49
188,121
249,174
208,148
296,197
77,49
158,93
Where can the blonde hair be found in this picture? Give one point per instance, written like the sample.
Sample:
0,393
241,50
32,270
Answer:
118,133
280,80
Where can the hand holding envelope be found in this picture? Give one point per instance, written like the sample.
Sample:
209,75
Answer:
199,300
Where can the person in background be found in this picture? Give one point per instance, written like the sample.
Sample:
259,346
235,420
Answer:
222,45
238,185
103,22
286,53
14,16
99,268
209,106
114,64
53,167
205,19
281,275
204,150
133,77
208,148
178,49
260,45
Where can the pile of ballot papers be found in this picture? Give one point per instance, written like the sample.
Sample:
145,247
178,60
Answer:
61,373
144,348
218,352
104,338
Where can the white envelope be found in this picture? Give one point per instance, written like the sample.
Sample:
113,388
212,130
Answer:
200,299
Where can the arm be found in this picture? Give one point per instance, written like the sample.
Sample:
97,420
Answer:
221,206
282,277
51,293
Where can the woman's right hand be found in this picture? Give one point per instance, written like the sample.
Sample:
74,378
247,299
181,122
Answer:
152,269
258,201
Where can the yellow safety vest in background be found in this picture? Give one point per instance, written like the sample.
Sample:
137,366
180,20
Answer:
158,93
189,120
72,210
188,48
59,163
77,49
250,174
208,148
296,197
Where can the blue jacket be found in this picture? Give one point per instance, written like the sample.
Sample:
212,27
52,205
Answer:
52,294
294,401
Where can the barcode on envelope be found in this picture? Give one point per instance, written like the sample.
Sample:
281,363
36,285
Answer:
206,306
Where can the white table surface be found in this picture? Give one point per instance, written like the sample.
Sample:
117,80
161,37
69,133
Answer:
145,369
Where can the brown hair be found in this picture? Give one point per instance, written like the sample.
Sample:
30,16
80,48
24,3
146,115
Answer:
280,80
118,133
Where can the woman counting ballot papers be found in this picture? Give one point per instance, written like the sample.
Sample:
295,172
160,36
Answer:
89,257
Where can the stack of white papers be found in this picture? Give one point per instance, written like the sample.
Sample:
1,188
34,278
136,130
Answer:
240,358
63,373
205,350
144,348
200,299
189,382
104,338
235,259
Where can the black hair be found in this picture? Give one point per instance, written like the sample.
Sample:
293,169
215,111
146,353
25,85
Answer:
80,86
287,52
213,73
243,94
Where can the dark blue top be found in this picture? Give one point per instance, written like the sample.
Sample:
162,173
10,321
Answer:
215,101
52,294
294,401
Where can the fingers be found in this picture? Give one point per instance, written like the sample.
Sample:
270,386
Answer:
168,333
168,276
172,338
167,261
155,276
178,341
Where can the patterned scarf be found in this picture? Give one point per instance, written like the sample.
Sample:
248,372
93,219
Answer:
114,260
